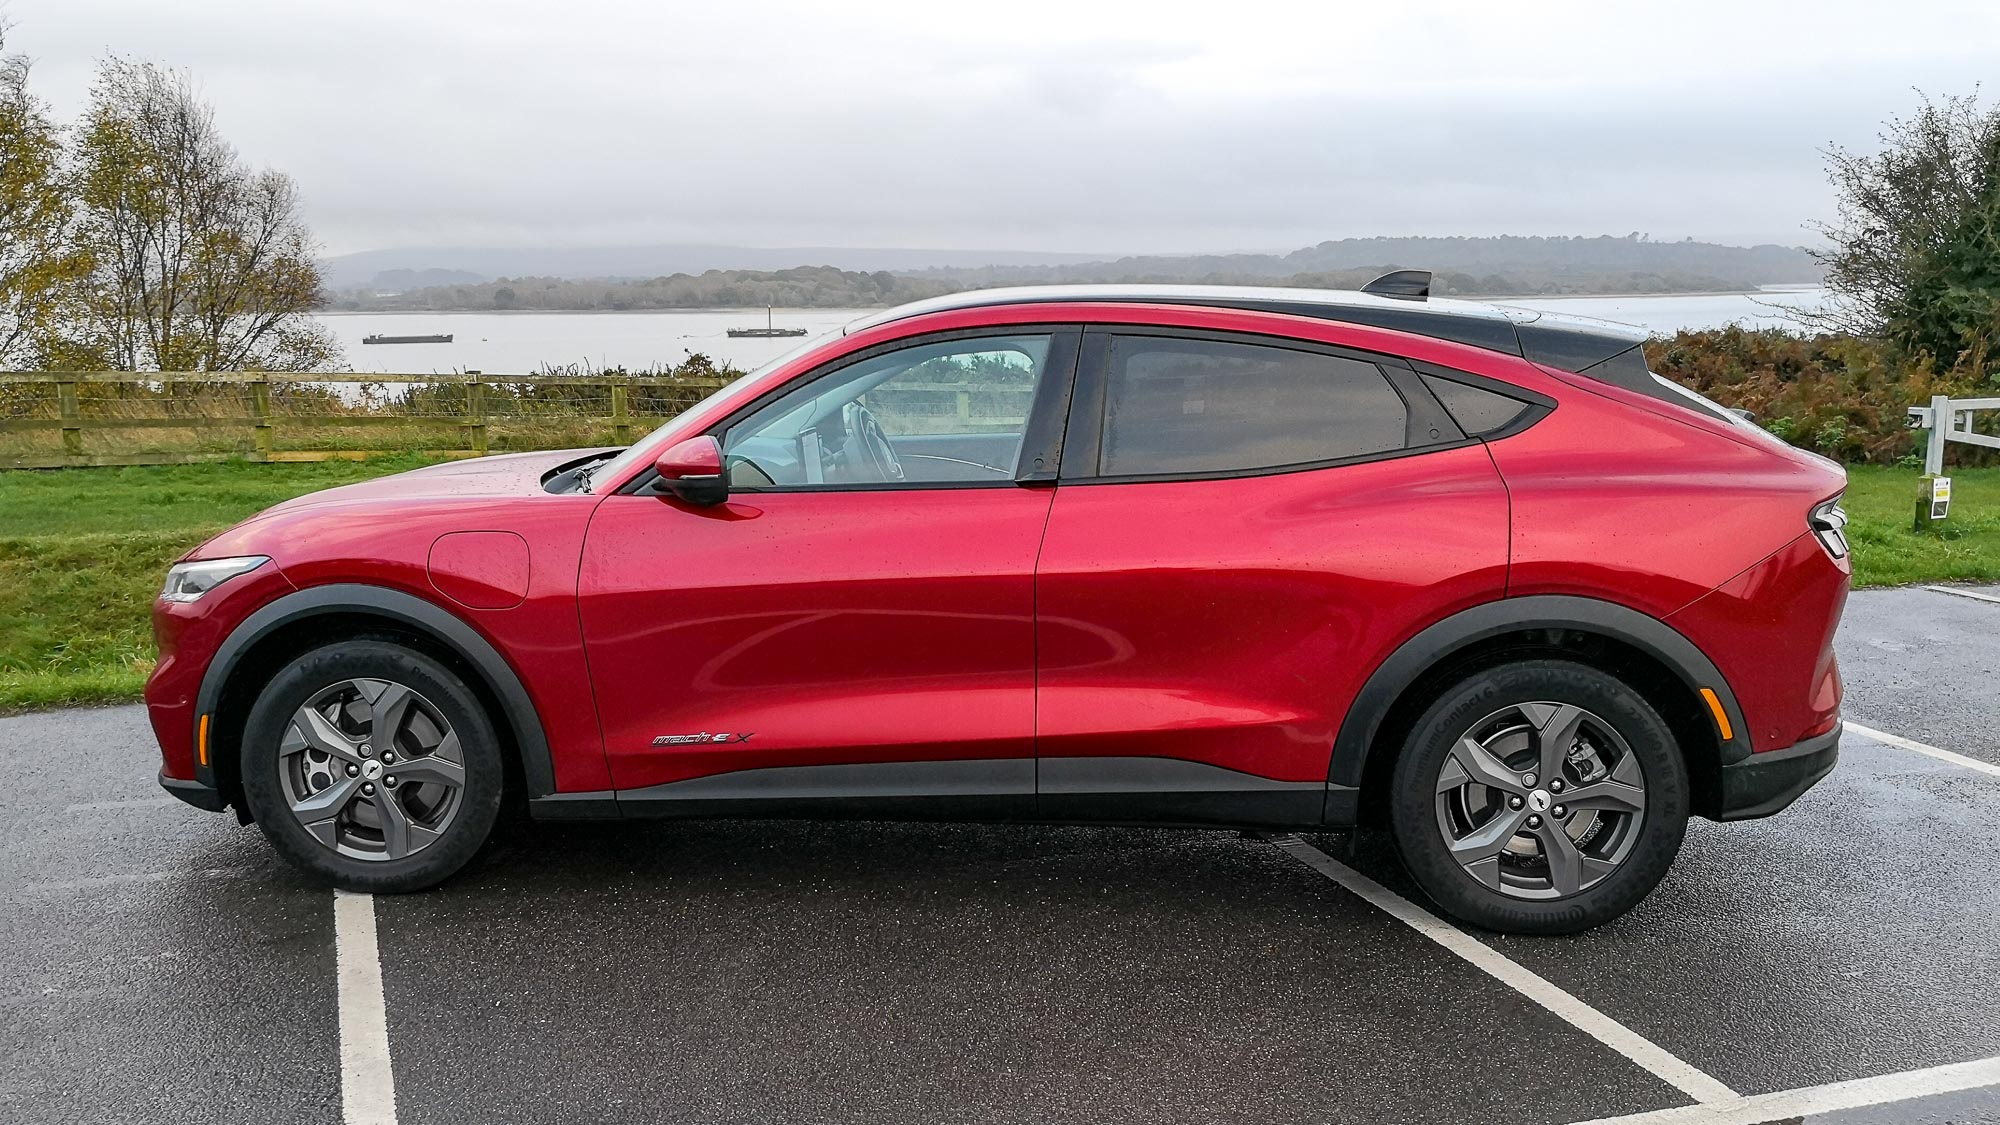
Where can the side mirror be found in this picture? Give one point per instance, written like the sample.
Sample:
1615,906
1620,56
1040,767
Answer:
692,471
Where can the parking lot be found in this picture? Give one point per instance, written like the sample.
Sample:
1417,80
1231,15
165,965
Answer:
162,965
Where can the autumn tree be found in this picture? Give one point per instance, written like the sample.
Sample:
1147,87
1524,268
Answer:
197,263
1915,255
35,259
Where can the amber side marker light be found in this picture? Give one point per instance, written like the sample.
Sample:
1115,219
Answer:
1714,705
201,740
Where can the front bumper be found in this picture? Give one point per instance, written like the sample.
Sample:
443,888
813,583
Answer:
1762,784
196,793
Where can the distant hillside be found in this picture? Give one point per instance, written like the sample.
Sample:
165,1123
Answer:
364,270
1474,267
1508,264
401,281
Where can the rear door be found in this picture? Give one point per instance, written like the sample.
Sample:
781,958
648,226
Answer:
1246,525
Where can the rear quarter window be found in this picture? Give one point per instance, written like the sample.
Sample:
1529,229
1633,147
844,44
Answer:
1476,409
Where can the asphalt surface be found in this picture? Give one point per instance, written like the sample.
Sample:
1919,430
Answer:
159,964
1925,665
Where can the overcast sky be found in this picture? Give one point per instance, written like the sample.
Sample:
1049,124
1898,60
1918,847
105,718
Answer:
1071,126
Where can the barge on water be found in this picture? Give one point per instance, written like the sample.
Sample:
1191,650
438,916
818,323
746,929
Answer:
767,331
445,338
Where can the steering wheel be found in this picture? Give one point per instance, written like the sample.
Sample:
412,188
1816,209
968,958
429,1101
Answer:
866,455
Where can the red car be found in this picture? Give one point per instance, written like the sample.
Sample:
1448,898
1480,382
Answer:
1215,557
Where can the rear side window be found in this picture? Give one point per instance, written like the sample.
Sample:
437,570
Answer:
1476,410
1174,406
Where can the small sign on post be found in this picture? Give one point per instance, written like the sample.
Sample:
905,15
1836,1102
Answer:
1947,420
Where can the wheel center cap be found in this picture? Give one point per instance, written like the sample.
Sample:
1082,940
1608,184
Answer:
371,769
1539,801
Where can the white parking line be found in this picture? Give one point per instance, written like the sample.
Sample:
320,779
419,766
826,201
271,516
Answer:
1833,1098
1648,1055
367,1082
1906,744
1964,593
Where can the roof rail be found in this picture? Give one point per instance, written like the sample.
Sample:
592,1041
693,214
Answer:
1414,285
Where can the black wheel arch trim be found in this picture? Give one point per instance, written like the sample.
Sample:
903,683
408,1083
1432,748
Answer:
435,622
1421,653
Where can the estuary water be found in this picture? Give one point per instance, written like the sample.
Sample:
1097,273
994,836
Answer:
522,342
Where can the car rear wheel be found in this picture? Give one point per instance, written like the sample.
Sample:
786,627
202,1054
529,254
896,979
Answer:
372,766
1539,797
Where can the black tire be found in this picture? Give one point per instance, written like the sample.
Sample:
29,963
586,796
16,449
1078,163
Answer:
478,798
1418,811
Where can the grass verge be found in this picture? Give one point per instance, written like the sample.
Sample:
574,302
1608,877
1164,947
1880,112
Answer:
82,552
1881,503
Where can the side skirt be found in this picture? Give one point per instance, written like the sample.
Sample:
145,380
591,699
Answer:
1164,792
1123,790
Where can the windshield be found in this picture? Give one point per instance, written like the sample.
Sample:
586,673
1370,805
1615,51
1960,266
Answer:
648,447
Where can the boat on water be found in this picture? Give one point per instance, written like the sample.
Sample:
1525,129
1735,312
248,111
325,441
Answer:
768,330
378,338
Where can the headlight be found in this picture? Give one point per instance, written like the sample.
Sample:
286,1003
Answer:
1829,526
190,580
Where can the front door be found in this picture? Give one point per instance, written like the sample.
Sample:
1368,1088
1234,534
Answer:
854,629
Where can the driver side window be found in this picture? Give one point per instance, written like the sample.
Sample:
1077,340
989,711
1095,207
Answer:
944,411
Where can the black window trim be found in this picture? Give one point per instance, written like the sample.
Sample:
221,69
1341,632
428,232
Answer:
1539,405
1428,420
1041,438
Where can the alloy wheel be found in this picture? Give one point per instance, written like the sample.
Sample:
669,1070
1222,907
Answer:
1540,800
371,769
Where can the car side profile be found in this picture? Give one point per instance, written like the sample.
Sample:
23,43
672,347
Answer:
1153,555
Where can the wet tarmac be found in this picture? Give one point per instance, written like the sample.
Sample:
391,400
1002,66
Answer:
162,965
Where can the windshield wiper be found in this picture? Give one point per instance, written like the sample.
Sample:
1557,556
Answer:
583,472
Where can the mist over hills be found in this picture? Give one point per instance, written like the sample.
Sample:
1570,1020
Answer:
366,268
1486,264
1464,266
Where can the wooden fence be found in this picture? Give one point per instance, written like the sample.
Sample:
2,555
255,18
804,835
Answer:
69,419
58,419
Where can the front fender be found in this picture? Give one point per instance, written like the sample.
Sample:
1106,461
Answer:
441,625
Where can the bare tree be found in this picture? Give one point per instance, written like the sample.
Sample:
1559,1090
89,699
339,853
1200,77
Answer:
1915,255
198,263
34,212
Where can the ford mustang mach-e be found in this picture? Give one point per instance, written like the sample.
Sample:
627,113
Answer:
1248,558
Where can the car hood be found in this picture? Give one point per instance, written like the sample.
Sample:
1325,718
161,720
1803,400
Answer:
511,474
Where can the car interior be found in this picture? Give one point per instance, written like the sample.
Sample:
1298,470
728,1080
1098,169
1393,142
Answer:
952,411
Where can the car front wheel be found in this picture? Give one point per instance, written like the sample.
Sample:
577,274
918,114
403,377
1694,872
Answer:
1540,797
372,766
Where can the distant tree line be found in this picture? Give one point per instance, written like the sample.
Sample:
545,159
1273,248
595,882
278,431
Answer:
137,239
803,287
1465,266
830,287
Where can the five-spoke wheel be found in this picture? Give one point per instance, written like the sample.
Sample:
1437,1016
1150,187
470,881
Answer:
1540,800
372,769
1542,796
372,764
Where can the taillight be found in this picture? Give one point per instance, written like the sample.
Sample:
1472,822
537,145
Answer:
1829,525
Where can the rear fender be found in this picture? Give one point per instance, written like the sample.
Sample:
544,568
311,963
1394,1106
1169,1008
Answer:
1454,634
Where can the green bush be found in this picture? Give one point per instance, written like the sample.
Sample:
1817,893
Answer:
1841,396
